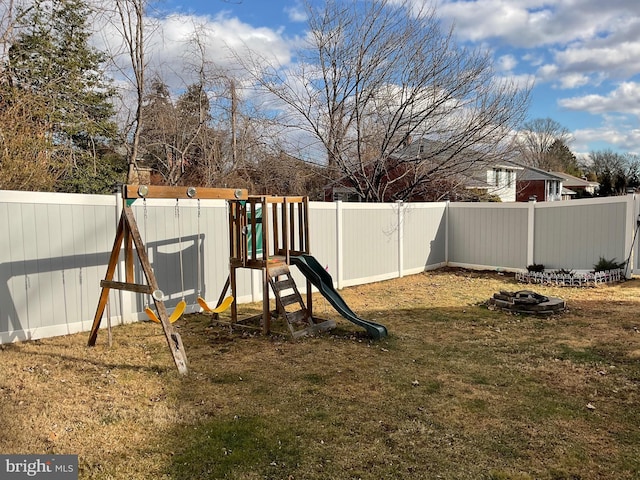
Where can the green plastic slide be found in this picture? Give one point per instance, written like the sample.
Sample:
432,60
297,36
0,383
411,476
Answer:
322,280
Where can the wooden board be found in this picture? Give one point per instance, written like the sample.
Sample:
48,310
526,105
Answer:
159,191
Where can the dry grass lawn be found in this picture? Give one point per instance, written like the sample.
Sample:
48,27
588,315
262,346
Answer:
457,391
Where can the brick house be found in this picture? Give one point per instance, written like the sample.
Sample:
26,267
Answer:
536,184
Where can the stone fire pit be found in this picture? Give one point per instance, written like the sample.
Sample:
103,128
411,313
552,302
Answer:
526,301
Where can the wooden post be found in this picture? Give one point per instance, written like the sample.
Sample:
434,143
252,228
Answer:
266,313
104,293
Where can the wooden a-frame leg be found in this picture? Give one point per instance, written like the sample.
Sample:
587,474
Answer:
173,338
104,294
127,225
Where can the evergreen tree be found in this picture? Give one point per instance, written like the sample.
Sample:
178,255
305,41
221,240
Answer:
159,130
51,60
615,171
562,159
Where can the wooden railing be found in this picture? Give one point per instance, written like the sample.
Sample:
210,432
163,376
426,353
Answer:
267,227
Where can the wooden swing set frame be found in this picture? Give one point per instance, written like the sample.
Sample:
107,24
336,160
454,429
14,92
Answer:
128,234
284,225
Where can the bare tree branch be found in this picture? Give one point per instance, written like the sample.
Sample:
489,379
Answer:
375,75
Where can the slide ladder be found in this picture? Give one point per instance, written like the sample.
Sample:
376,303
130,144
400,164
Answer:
290,304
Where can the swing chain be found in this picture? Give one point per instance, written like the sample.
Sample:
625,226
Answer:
198,254
146,238
177,214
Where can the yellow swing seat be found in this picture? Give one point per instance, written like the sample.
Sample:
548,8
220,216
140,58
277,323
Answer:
226,303
175,315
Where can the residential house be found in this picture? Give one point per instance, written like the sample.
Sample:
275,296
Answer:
574,187
477,179
536,184
498,180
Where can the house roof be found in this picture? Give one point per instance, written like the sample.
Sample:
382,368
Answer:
507,165
531,173
425,147
571,181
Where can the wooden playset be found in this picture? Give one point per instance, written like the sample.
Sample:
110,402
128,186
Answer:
265,232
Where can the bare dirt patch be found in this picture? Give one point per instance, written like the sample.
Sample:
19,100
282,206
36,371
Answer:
457,391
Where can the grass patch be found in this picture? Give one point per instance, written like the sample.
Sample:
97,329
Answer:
456,392
233,448
580,355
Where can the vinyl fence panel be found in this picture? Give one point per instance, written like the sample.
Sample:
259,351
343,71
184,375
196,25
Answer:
488,235
424,236
370,235
54,250
576,234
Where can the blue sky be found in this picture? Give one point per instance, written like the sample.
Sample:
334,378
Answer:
583,54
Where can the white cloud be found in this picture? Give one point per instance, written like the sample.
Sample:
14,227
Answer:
616,60
547,72
525,23
588,39
296,13
506,63
624,99
177,44
534,59
573,80
535,23
625,139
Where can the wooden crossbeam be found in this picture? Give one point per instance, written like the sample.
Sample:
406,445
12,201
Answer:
158,191
131,287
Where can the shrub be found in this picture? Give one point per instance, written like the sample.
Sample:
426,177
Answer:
536,267
604,264
564,271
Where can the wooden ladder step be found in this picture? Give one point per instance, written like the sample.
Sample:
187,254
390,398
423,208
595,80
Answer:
301,317
281,281
279,270
285,284
291,299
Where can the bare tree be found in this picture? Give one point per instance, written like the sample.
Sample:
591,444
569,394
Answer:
25,159
181,140
376,74
128,19
615,171
7,23
536,139
131,14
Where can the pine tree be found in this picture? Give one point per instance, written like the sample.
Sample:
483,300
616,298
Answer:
51,60
562,159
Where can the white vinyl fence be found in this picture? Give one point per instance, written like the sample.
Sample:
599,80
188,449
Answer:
54,248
